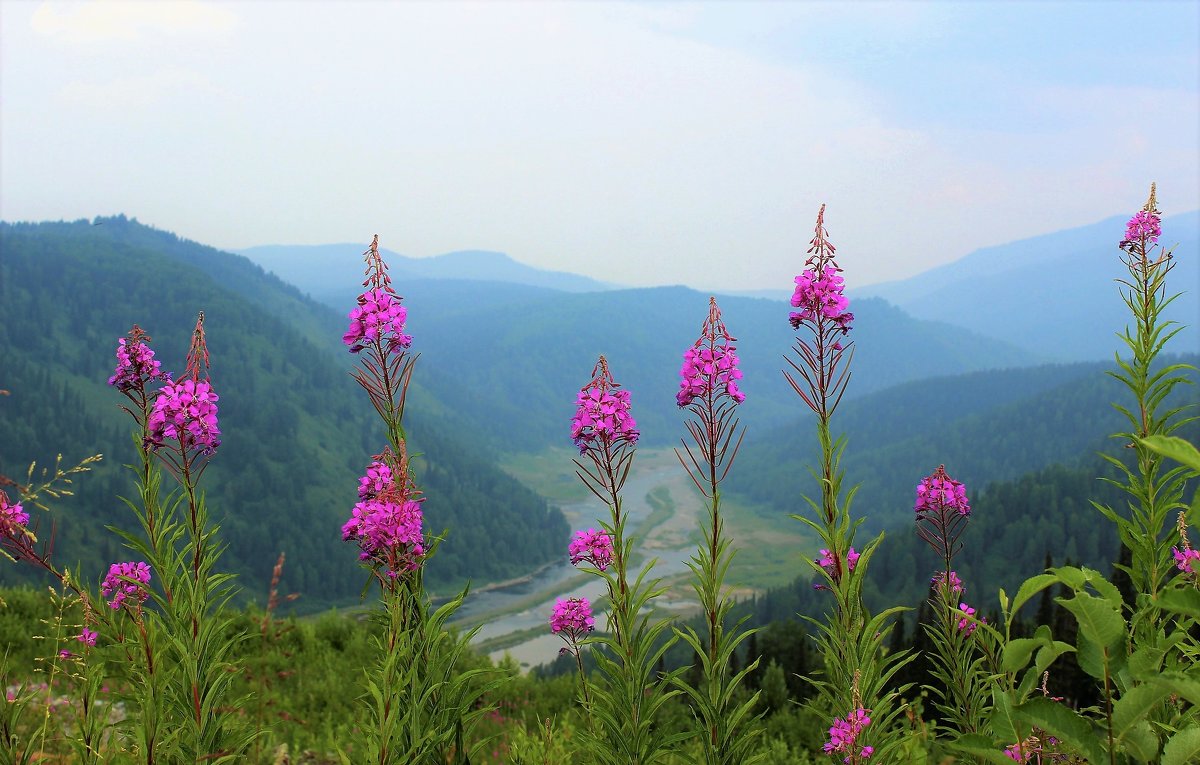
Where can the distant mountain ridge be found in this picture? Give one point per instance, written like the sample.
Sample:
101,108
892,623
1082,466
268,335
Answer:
1053,294
319,269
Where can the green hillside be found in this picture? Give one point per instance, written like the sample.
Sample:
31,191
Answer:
297,430
984,427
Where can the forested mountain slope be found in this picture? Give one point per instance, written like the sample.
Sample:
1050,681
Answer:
297,430
985,427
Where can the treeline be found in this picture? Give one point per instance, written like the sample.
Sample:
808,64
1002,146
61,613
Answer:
297,431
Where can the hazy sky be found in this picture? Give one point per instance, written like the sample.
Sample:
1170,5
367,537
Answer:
639,143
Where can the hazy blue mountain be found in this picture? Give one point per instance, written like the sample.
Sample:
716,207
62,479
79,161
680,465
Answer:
323,269
511,360
1053,294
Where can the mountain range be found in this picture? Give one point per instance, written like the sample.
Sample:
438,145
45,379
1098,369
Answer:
1054,295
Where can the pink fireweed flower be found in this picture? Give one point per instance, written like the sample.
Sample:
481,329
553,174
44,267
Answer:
136,364
939,492
819,295
591,546
1143,226
603,413
379,317
955,584
968,623
87,637
843,736
387,521
185,411
710,366
829,561
572,618
13,519
377,479
1187,560
127,584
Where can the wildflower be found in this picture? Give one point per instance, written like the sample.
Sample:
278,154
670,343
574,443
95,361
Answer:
126,582
843,736
939,492
968,623
939,582
378,478
64,654
572,618
819,295
186,411
710,367
1187,560
603,414
136,364
829,561
378,317
591,546
1144,225
12,517
87,637
387,521
386,529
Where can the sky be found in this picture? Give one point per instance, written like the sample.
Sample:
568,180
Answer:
637,143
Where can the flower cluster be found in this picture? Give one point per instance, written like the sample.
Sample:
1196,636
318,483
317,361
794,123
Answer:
828,561
955,587
377,479
939,492
1032,750
819,295
185,411
87,637
136,364
603,413
968,623
12,517
1187,560
710,367
592,546
378,317
843,736
126,584
709,372
572,618
1145,225
387,529
387,520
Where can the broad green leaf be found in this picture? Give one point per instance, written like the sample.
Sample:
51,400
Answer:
1098,619
1030,587
1176,448
1141,742
1182,600
1181,684
1017,653
1064,723
1002,721
1183,748
1135,705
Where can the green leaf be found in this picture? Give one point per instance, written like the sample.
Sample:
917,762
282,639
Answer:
1183,748
1176,448
1030,587
1182,600
1180,684
1064,723
1003,724
1098,619
1017,653
1134,706
1141,742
